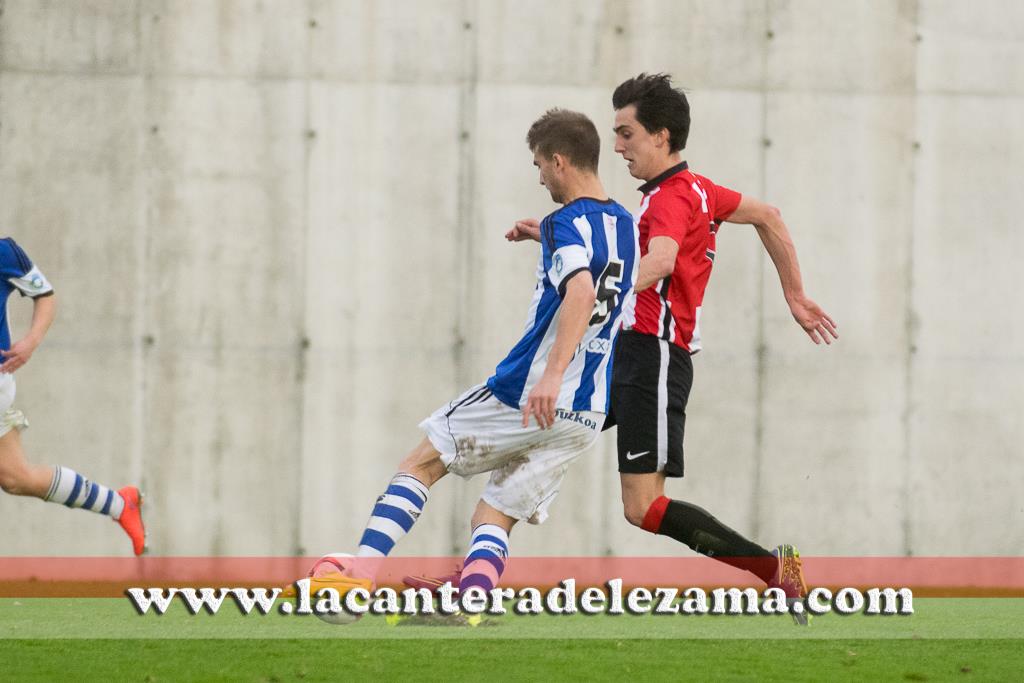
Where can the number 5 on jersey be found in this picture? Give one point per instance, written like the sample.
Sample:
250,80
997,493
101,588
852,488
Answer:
607,292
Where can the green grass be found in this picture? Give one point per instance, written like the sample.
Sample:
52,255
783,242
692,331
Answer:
48,639
510,660
933,618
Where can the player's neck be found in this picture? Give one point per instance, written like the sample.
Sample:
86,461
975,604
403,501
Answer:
584,186
666,163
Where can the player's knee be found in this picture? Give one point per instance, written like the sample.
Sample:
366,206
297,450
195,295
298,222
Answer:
12,482
425,464
484,513
637,506
634,511
427,473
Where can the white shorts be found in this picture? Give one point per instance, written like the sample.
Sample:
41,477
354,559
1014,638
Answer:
478,433
9,417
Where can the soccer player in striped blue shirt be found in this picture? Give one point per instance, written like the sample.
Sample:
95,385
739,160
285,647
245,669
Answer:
61,485
547,399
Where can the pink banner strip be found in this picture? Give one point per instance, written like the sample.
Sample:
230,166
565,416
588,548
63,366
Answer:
109,576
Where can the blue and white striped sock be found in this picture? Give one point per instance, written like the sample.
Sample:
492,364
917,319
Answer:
393,515
485,561
75,491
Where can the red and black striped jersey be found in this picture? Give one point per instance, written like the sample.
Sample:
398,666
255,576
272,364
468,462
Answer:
687,208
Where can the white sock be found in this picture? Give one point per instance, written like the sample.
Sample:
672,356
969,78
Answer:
393,515
486,559
75,491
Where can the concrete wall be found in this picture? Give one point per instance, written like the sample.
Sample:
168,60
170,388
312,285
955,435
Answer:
275,229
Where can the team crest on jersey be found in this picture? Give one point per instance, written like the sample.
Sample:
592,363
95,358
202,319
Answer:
558,264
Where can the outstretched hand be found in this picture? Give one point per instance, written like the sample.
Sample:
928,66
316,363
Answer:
524,229
19,354
816,323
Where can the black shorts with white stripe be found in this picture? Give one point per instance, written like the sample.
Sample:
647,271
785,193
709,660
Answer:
651,381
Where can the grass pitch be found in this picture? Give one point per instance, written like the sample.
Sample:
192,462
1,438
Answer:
512,660
971,639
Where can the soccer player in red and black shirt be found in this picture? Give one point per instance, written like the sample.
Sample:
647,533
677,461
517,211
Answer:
679,216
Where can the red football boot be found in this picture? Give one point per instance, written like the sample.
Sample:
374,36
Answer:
131,518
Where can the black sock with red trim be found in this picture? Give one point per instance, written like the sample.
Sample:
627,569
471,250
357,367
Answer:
698,528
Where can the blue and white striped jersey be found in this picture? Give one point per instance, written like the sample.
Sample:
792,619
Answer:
586,234
17,272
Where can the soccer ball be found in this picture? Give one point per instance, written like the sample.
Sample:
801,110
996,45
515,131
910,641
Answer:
332,571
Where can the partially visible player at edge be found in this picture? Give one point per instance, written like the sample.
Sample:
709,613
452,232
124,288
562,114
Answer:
547,399
19,477
679,216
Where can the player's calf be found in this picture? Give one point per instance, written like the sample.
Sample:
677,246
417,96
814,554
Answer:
393,515
402,502
485,561
705,534
24,481
64,486
124,506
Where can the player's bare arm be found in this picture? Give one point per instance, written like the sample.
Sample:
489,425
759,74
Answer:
574,317
774,234
658,263
43,312
524,229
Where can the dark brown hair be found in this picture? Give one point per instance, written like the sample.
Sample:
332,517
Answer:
658,105
568,133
